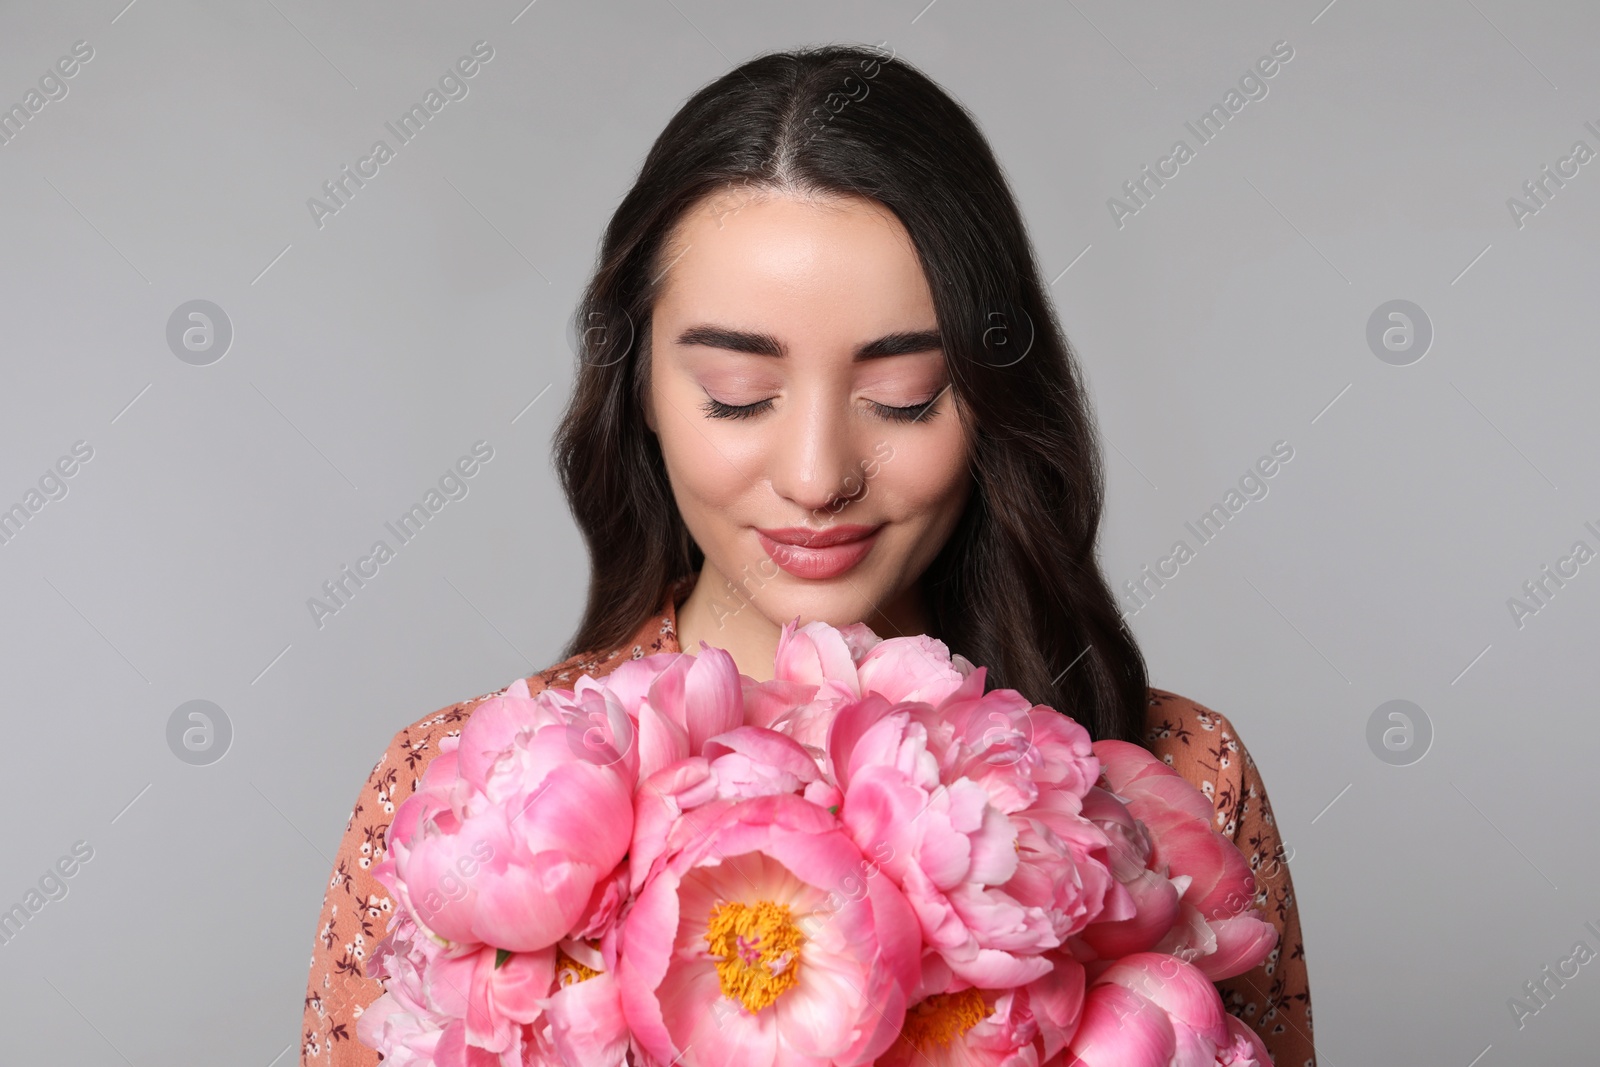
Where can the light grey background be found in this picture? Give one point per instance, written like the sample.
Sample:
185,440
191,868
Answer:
369,354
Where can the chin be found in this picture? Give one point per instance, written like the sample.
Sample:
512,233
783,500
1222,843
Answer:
837,601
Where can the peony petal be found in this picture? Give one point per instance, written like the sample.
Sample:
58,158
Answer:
1244,1048
518,986
1157,902
818,1015
993,969
1177,988
1056,1000
1121,1029
662,741
766,746
586,1023
713,1030
713,701
1243,943
909,668
816,654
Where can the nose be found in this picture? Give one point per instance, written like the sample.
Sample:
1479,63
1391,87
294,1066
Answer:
815,463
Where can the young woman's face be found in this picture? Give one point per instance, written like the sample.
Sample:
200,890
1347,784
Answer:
799,393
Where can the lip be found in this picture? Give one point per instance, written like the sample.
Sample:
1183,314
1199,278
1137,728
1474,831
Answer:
818,554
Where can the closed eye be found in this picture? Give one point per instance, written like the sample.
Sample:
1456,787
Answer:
716,409
915,413
922,412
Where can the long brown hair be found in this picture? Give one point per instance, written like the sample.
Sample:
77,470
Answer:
1017,588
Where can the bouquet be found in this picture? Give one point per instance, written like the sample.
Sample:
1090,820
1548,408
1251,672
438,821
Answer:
866,860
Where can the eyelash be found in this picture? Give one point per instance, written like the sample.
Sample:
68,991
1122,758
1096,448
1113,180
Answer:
716,409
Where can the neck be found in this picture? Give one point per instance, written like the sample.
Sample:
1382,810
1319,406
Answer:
721,619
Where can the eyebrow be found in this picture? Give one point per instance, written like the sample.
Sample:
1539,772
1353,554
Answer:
764,344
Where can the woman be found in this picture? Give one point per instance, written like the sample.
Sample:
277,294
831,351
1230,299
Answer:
820,379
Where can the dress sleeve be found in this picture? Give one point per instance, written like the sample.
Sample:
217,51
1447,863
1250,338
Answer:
356,908
355,915
1275,998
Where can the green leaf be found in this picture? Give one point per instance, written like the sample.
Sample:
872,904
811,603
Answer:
500,957
833,809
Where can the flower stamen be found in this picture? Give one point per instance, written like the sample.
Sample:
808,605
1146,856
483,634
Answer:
757,949
942,1018
570,971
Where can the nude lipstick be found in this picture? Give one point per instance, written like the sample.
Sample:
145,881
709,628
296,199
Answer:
818,554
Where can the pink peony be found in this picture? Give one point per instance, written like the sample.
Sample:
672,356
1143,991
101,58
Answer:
400,1021
510,853
910,668
585,1026
814,662
678,702
1056,1001
866,859
994,856
968,1028
1216,928
1152,1010
444,1007
488,996
1244,1048
819,669
1143,904
766,940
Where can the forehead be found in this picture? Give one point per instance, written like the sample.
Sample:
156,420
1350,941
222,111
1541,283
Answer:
778,261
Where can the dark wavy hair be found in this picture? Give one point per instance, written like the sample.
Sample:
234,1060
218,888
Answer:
1017,587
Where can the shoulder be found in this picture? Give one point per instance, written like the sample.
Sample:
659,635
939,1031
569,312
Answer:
1203,746
1176,726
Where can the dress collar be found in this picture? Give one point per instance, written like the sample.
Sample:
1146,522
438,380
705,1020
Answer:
661,629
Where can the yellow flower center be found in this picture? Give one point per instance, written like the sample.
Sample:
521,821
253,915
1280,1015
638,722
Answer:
942,1018
570,972
758,950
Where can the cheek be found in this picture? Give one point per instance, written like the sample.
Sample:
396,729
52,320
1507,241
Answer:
709,467
927,477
